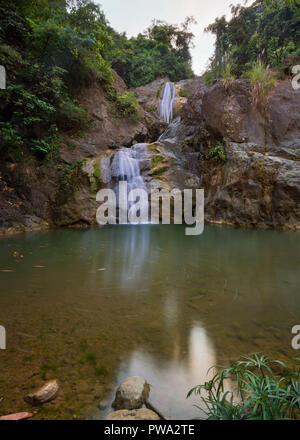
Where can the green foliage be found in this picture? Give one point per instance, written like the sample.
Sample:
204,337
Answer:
261,393
49,52
268,31
100,371
162,50
262,80
217,153
264,175
72,176
183,93
226,73
96,178
9,136
46,147
127,106
158,172
72,117
157,160
52,48
90,358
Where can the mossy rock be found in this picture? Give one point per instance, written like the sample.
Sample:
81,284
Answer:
183,93
158,172
157,160
158,93
96,182
153,148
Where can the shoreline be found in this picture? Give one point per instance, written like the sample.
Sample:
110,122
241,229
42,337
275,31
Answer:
19,230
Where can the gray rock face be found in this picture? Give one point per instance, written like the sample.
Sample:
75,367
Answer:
34,195
149,95
139,414
259,184
131,394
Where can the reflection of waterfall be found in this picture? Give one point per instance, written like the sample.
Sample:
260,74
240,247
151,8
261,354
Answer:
130,252
167,102
126,167
172,378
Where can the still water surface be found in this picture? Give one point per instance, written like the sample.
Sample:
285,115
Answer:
93,307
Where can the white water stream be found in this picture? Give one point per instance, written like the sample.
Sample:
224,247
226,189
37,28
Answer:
167,102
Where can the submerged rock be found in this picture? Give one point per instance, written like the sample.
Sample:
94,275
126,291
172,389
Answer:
132,394
44,394
139,414
103,404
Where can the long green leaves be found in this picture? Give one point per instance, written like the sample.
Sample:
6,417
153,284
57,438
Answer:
260,394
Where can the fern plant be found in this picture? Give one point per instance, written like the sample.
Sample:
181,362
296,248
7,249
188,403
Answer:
217,153
261,393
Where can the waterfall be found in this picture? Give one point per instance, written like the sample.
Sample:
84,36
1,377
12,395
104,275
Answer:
126,167
167,102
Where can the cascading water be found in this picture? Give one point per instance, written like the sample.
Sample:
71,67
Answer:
167,102
126,163
126,168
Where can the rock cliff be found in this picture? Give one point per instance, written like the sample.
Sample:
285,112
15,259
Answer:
243,152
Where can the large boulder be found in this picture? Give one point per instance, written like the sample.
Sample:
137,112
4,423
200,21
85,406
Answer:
133,393
259,183
149,95
137,414
107,130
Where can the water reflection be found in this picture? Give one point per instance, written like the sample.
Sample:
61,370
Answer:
127,260
145,300
171,379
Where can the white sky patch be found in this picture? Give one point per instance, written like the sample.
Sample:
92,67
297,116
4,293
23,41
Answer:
134,16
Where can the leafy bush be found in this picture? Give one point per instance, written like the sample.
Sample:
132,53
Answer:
49,53
127,106
46,147
72,176
265,30
9,136
183,93
262,394
71,116
262,80
226,73
217,153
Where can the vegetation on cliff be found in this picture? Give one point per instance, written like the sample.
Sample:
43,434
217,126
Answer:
162,50
49,52
267,31
265,390
52,48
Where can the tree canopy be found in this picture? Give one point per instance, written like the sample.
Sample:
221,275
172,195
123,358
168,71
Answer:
51,48
162,50
267,31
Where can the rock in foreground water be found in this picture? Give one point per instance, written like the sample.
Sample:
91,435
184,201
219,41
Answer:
43,395
131,394
136,414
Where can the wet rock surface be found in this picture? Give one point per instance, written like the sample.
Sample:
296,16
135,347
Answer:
139,414
107,130
133,393
258,185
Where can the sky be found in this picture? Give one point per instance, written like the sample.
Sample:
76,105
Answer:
134,16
